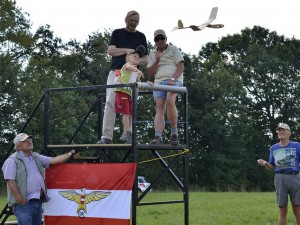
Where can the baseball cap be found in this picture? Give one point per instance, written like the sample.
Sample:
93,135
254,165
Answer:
141,48
21,137
284,126
134,51
159,32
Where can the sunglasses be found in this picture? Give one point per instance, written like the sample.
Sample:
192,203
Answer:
27,140
159,38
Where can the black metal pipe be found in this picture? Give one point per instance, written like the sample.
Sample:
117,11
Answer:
134,152
46,118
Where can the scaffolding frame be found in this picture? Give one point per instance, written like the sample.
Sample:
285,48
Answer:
131,150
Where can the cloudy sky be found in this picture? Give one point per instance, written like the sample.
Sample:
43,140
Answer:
76,19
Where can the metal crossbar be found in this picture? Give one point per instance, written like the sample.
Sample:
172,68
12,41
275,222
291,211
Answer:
131,150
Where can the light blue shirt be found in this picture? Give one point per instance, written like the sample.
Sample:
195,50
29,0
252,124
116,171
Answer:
35,181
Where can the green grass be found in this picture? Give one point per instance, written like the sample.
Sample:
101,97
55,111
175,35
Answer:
2,205
208,208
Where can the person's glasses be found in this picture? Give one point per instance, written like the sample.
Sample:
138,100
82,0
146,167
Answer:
28,140
282,130
159,38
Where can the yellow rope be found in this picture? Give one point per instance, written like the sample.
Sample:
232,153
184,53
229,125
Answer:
181,153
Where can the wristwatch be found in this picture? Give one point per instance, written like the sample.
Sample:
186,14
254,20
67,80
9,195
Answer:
173,79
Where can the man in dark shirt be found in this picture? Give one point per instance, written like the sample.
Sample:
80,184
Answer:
122,41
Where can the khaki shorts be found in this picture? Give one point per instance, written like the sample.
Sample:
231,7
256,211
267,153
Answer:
287,185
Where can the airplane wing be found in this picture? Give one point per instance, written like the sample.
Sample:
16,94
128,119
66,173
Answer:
213,13
212,17
195,28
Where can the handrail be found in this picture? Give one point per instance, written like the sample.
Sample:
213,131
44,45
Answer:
130,148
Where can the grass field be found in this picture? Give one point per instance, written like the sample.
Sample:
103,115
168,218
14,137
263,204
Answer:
209,208
217,208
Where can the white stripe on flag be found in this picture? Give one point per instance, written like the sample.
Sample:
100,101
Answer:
110,207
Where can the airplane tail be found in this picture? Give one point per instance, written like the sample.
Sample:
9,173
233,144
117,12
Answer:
179,26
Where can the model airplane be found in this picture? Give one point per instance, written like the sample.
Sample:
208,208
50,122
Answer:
212,17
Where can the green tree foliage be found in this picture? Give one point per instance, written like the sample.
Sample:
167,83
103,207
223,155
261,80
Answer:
92,58
268,66
57,65
239,89
15,44
15,36
216,136
239,113
8,102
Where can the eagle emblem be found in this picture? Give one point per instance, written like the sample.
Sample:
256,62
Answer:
82,199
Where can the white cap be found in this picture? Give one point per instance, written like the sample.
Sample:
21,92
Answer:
284,126
159,32
21,137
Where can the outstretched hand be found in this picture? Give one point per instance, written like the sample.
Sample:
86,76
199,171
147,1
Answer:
261,162
75,154
140,74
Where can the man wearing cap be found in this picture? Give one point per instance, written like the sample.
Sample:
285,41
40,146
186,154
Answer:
122,41
284,161
24,174
166,64
123,105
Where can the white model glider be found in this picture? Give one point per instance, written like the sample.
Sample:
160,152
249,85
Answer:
212,17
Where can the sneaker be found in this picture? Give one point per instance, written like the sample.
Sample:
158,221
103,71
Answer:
156,141
104,141
127,137
174,139
123,136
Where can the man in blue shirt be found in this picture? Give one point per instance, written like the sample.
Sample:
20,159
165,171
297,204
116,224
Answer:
284,161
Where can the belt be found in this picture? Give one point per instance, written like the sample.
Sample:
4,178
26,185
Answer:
288,172
34,200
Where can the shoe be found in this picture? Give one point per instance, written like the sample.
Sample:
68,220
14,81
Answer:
123,136
104,141
156,141
174,140
127,137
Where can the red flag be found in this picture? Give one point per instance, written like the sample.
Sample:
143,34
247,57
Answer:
89,194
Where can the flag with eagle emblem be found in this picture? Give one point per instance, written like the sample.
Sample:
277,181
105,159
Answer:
89,194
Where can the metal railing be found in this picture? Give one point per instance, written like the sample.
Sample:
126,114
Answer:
131,151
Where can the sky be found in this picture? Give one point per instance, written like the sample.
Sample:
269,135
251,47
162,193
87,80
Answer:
76,19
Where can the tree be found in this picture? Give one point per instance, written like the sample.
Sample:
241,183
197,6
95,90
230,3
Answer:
8,101
239,89
15,36
238,115
217,138
268,65
15,44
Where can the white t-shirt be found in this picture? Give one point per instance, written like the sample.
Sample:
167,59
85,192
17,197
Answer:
167,64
